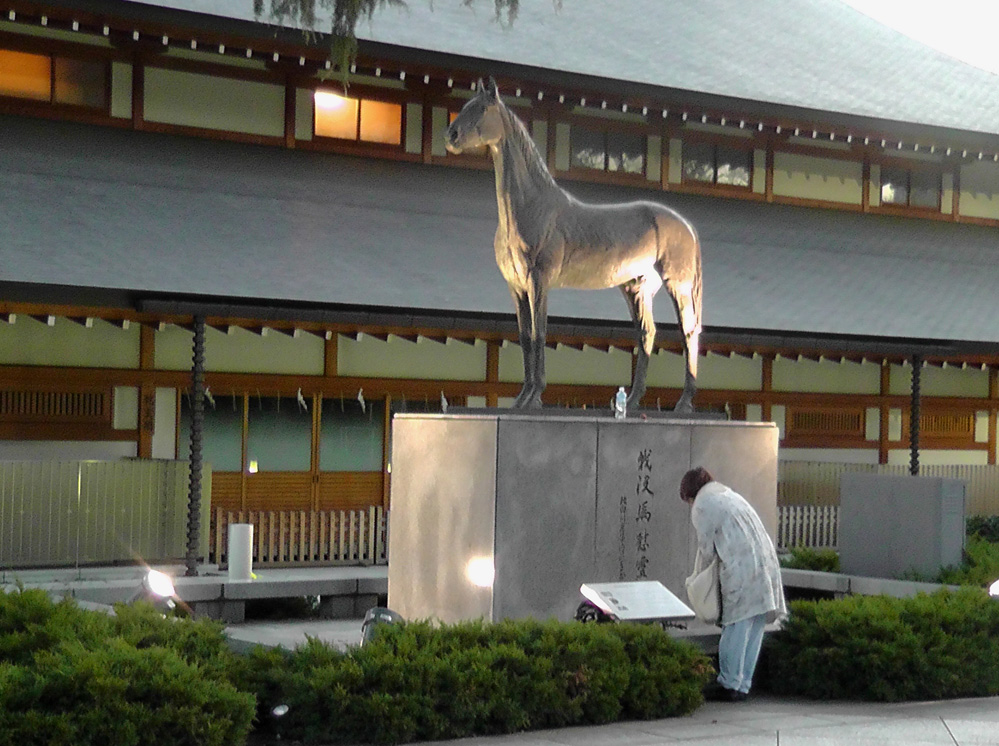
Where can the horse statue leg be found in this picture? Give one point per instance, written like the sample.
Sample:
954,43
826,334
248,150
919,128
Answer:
638,296
688,316
532,330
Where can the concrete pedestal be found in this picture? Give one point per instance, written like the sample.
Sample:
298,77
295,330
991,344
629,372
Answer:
550,503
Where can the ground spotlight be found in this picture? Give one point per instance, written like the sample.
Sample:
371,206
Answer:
157,589
376,617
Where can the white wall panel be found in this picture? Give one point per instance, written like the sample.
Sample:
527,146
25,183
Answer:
196,100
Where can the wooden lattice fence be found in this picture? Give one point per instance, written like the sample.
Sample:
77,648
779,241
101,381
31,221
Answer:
306,537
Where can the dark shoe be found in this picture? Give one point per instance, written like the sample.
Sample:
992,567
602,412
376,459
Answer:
715,692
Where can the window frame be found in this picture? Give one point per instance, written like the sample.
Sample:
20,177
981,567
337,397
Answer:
605,126
715,142
360,93
53,50
937,169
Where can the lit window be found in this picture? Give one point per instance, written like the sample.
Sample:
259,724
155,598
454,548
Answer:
25,75
717,164
607,151
911,188
357,119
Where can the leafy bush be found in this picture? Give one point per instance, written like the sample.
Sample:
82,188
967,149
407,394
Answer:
70,676
984,527
417,681
980,566
806,558
944,645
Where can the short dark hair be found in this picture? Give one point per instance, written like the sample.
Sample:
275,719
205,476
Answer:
692,482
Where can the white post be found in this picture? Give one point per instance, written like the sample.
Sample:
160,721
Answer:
240,551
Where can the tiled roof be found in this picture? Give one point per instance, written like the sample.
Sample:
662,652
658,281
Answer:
807,54
155,215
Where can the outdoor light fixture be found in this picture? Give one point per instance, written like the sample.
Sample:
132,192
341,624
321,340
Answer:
994,589
480,571
157,589
376,617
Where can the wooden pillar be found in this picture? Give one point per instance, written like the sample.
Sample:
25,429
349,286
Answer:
138,92
244,463
883,409
314,467
766,387
993,396
290,95
386,453
147,394
492,372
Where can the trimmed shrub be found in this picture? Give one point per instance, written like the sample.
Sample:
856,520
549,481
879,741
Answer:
806,558
980,566
70,676
944,645
984,527
418,681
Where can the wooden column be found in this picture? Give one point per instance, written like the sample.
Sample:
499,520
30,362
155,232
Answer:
317,424
993,397
386,454
492,371
766,387
883,409
147,394
138,92
290,95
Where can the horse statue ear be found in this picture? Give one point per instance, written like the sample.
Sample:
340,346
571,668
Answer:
480,86
492,89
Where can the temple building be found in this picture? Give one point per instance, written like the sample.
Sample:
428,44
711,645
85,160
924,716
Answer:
182,170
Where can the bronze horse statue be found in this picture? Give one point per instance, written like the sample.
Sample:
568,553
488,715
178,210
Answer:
548,239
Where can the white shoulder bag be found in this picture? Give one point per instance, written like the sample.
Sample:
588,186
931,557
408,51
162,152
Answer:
704,590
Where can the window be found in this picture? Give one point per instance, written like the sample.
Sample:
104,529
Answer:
910,187
358,119
60,80
607,150
708,163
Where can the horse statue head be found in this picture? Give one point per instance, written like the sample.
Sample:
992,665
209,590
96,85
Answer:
479,123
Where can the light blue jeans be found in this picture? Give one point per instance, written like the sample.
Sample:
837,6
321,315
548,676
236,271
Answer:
738,652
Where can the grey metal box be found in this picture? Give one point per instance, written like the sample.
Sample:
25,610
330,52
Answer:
551,503
892,525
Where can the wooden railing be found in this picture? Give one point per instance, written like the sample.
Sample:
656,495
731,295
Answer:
813,526
306,537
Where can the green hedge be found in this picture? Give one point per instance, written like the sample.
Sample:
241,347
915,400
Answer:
70,676
418,681
806,558
938,646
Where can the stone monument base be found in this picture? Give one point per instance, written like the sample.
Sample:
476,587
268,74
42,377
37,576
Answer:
505,514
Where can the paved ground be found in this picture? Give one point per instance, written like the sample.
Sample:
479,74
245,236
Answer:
761,721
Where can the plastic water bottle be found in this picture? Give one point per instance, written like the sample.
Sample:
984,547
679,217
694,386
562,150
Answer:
620,404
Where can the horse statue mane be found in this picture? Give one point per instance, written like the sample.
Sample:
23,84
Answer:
546,238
